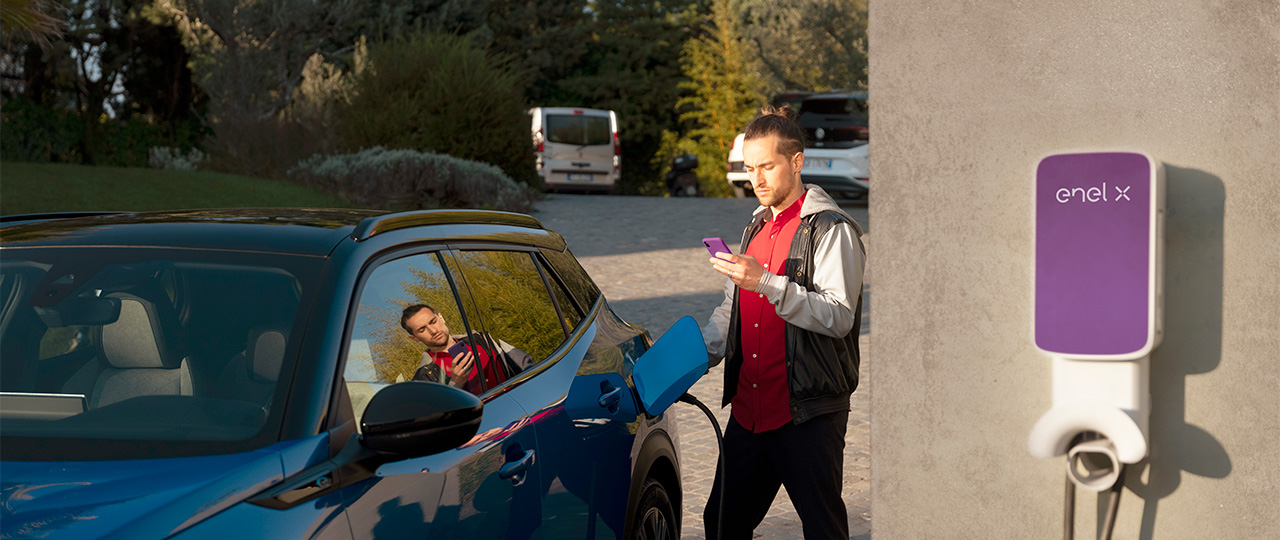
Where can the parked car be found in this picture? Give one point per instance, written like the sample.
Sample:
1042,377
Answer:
836,152
842,172
737,175
238,374
577,148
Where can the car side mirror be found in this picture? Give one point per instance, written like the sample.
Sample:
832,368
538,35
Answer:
415,419
402,421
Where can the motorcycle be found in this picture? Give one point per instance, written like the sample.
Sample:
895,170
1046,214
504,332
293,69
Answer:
681,180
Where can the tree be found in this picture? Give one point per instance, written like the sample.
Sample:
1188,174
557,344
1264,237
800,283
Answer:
548,40
725,94
808,44
249,58
632,66
391,19
29,21
111,70
436,92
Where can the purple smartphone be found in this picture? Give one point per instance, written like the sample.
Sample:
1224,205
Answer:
458,348
715,245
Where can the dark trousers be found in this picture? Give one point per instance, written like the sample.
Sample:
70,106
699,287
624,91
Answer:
807,458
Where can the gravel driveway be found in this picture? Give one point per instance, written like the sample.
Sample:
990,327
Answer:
646,254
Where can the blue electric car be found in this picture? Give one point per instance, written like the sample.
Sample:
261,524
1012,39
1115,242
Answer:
248,373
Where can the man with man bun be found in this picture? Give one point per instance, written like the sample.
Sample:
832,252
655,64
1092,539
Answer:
788,328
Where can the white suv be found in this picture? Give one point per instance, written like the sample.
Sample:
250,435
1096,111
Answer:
835,154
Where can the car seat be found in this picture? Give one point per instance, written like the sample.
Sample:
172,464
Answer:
251,375
136,356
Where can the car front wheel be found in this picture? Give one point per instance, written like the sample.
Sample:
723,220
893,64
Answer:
655,519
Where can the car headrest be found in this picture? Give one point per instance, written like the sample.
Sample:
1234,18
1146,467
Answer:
141,337
265,353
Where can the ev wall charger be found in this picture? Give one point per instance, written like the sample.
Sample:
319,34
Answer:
1098,301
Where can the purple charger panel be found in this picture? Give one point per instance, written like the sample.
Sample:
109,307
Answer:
1093,234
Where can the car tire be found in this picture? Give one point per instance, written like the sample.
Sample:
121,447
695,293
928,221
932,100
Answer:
739,192
655,518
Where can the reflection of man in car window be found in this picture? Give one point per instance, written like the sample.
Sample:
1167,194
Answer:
428,327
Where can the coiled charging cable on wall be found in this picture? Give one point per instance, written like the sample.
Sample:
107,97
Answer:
1092,463
690,399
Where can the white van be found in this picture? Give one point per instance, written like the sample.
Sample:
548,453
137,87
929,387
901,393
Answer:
577,148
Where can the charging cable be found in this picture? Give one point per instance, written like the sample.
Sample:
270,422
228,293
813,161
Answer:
1109,520
690,399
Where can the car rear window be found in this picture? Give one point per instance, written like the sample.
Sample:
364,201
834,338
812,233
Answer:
834,106
578,129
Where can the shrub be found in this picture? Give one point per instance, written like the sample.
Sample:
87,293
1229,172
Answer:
440,93
408,179
40,134
167,157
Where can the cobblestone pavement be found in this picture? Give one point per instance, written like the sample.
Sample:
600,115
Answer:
646,254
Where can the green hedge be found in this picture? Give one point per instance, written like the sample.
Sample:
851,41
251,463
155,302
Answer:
408,179
33,133
37,134
440,93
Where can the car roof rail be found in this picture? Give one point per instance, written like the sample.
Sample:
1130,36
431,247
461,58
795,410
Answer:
369,227
47,216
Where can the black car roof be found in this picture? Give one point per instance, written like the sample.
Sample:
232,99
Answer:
276,230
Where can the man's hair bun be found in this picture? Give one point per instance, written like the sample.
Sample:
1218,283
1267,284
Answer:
784,111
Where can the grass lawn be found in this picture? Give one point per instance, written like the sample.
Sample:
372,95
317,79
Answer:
44,187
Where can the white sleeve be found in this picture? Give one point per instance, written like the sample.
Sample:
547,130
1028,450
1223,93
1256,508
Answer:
837,282
716,331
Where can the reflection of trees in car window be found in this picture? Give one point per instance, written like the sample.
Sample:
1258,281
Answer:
391,353
571,315
580,285
513,300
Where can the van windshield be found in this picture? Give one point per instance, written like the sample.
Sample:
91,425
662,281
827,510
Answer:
578,129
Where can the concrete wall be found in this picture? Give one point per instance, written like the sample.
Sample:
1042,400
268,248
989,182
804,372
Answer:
966,95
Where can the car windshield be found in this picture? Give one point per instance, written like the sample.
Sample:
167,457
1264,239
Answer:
120,353
578,129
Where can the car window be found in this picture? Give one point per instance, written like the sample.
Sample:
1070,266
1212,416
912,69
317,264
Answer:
578,129
568,310
416,292
843,106
514,303
98,346
579,284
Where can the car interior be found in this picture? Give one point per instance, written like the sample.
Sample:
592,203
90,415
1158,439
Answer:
140,348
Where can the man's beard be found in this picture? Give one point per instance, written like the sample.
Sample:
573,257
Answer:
775,196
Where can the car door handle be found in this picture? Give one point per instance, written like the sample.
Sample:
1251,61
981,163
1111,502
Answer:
515,470
611,399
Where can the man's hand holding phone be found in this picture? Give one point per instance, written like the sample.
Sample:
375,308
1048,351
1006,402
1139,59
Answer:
462,363
743,270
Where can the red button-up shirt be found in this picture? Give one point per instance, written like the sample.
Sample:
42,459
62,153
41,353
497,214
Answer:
763,400
480,362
